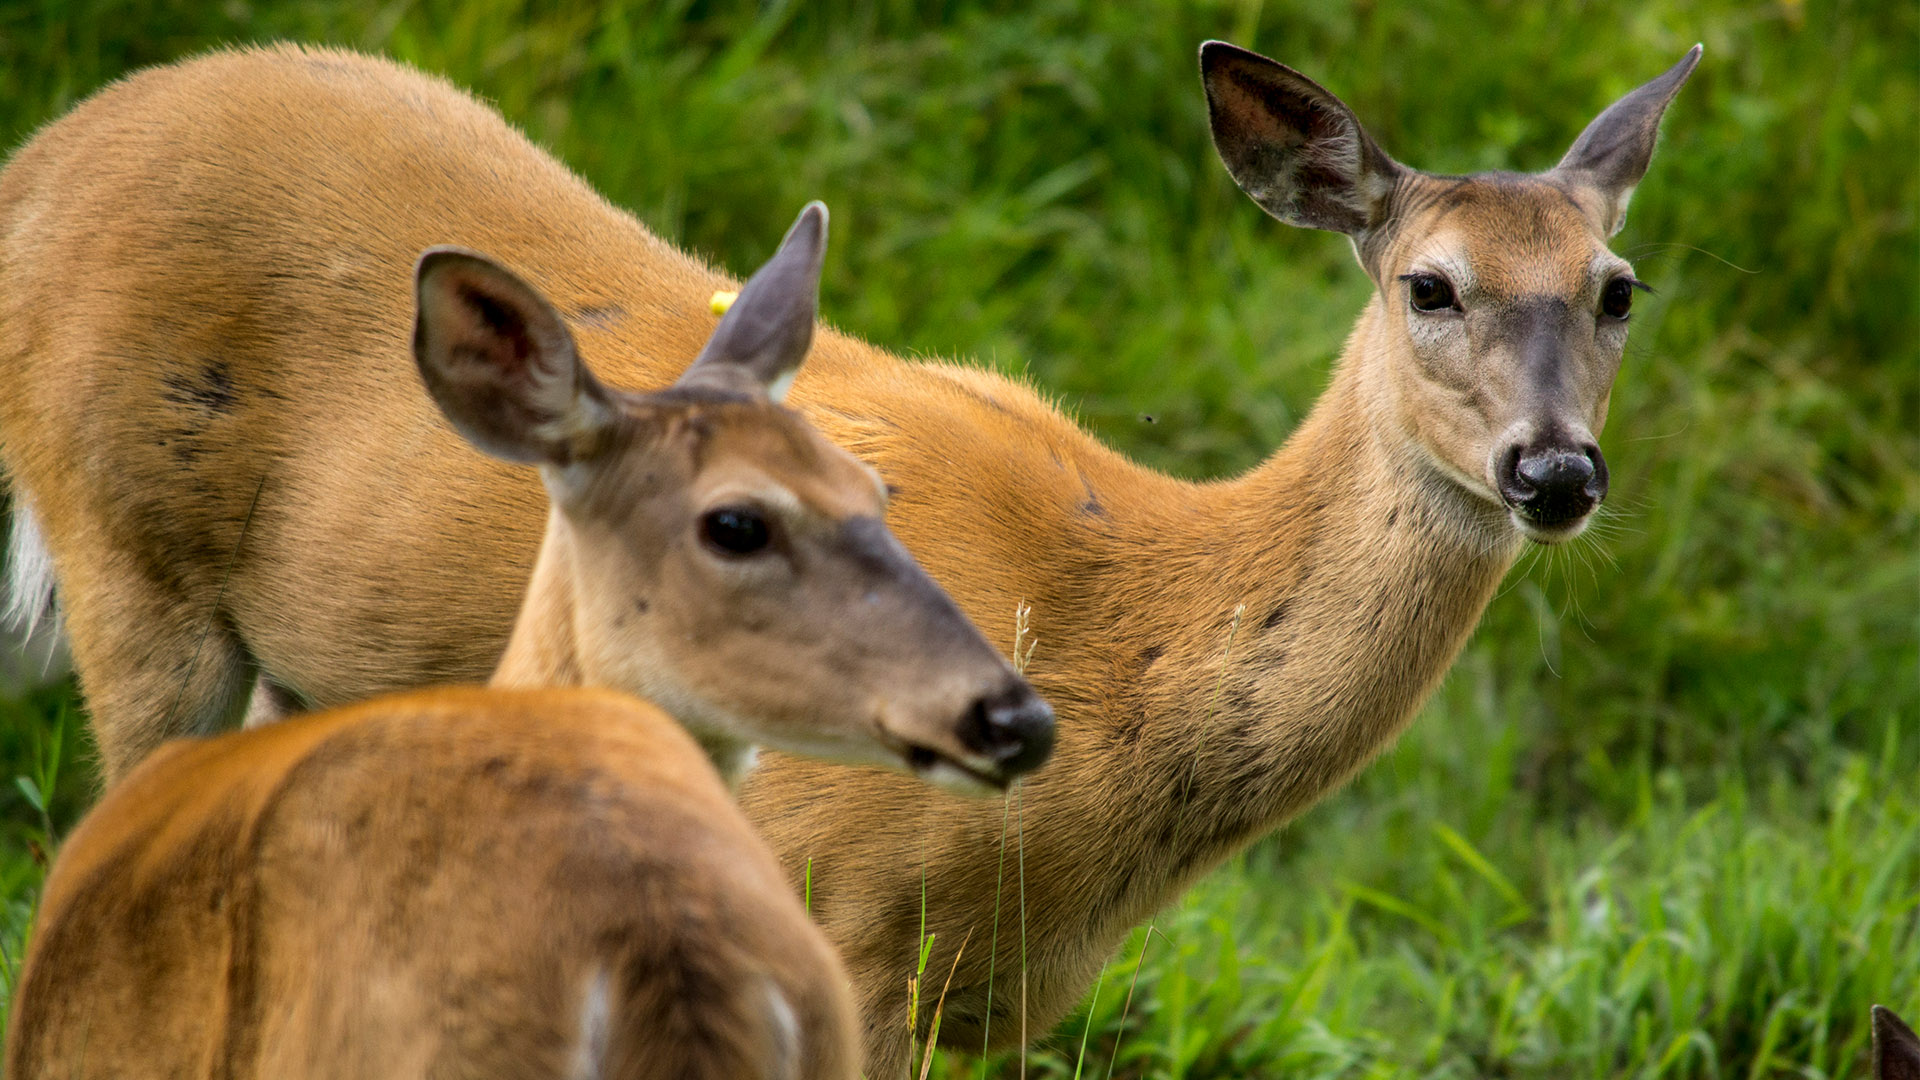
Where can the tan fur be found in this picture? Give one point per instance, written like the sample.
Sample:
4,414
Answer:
1359,556
551,884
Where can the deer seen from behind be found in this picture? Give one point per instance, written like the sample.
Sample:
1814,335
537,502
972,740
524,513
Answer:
544,881
1222,654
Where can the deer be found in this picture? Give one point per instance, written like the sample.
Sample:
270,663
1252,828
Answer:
1220,655
546,876
461,881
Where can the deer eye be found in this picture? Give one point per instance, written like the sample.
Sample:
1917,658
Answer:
1617,298
1430,292
736,531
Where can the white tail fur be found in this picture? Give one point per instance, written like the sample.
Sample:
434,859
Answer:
30,587
33,648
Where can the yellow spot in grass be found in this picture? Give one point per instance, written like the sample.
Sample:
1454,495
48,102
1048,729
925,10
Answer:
722,300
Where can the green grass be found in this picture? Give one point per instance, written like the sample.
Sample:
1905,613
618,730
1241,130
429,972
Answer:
1661,820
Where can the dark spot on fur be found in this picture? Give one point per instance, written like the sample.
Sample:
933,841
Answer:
1275,617
1149,654
597,316
208,388
992,403
640,605
1092,507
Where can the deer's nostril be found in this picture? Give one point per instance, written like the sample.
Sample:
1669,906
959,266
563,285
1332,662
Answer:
1507,472
1014,730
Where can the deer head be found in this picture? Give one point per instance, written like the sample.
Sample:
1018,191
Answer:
711,551
1500,313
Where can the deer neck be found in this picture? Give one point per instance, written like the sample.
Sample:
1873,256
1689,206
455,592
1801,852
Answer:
1304,613
544,648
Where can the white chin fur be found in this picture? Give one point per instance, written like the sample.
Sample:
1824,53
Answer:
1541,534
951,778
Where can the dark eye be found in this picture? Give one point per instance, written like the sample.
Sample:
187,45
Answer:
1617,298
1430,293
736,530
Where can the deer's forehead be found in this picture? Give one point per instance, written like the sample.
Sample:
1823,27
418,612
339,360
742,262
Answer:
1499,234
779,453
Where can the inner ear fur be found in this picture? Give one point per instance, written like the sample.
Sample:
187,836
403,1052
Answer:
1294,148
501,364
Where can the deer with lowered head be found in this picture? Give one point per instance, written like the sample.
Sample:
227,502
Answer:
545,880
1222,654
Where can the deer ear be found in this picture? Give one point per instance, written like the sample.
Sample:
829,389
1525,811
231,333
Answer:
1293,147
1611,155
499,362
1896,1049
765,334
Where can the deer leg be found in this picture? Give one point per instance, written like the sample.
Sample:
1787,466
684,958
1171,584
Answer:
153,664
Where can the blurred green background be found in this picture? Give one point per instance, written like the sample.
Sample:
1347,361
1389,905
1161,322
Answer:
1664,817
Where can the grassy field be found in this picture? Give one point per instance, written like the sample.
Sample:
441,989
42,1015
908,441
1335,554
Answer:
1663,820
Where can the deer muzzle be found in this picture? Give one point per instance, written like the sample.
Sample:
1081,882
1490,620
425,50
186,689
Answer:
1552,486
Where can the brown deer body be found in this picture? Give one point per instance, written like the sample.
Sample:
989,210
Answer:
1358,558
544,882
445,883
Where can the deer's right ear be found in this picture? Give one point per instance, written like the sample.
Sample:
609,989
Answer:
1293,147
499,362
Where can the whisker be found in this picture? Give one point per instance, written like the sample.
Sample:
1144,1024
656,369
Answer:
1681,430
1665,247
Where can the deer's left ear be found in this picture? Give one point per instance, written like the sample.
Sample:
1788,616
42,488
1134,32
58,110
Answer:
1610,157
765,334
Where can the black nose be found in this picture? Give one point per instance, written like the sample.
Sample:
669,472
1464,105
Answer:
1553,484
1013,729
